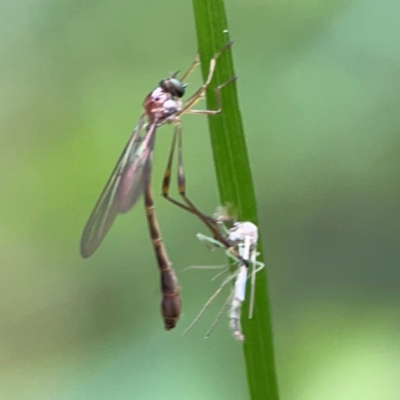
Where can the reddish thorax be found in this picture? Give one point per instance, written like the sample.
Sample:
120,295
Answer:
154,103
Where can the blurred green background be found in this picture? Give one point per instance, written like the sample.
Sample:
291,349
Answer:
319,86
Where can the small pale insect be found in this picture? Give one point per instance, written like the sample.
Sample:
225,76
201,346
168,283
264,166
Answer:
243,238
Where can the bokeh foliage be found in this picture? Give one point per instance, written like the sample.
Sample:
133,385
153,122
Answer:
319,88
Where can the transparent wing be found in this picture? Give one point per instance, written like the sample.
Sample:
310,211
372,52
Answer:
122,190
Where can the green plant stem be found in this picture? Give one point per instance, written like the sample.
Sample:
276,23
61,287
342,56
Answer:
236,187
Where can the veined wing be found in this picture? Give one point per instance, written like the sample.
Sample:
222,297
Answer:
122,190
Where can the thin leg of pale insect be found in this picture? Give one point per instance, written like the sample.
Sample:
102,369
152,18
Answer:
218,317
234,315
254,271
253,283
171,302
209,301
223,228
234,255
235,298
212,244
208,268
208,242
220,274
204,267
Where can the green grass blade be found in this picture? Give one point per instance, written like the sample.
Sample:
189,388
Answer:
236,187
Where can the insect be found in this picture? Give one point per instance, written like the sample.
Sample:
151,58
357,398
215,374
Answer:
243,238
132,176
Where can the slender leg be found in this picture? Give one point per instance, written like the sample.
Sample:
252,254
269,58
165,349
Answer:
178,134
207,267
217,99
256,266
167,178
195,63
189,206
167,174
219,315
210,267
209,301
199,94
208,221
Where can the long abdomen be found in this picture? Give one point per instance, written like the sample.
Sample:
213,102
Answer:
171,302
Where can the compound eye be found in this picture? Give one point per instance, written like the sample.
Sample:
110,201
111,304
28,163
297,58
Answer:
173,86
178,87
